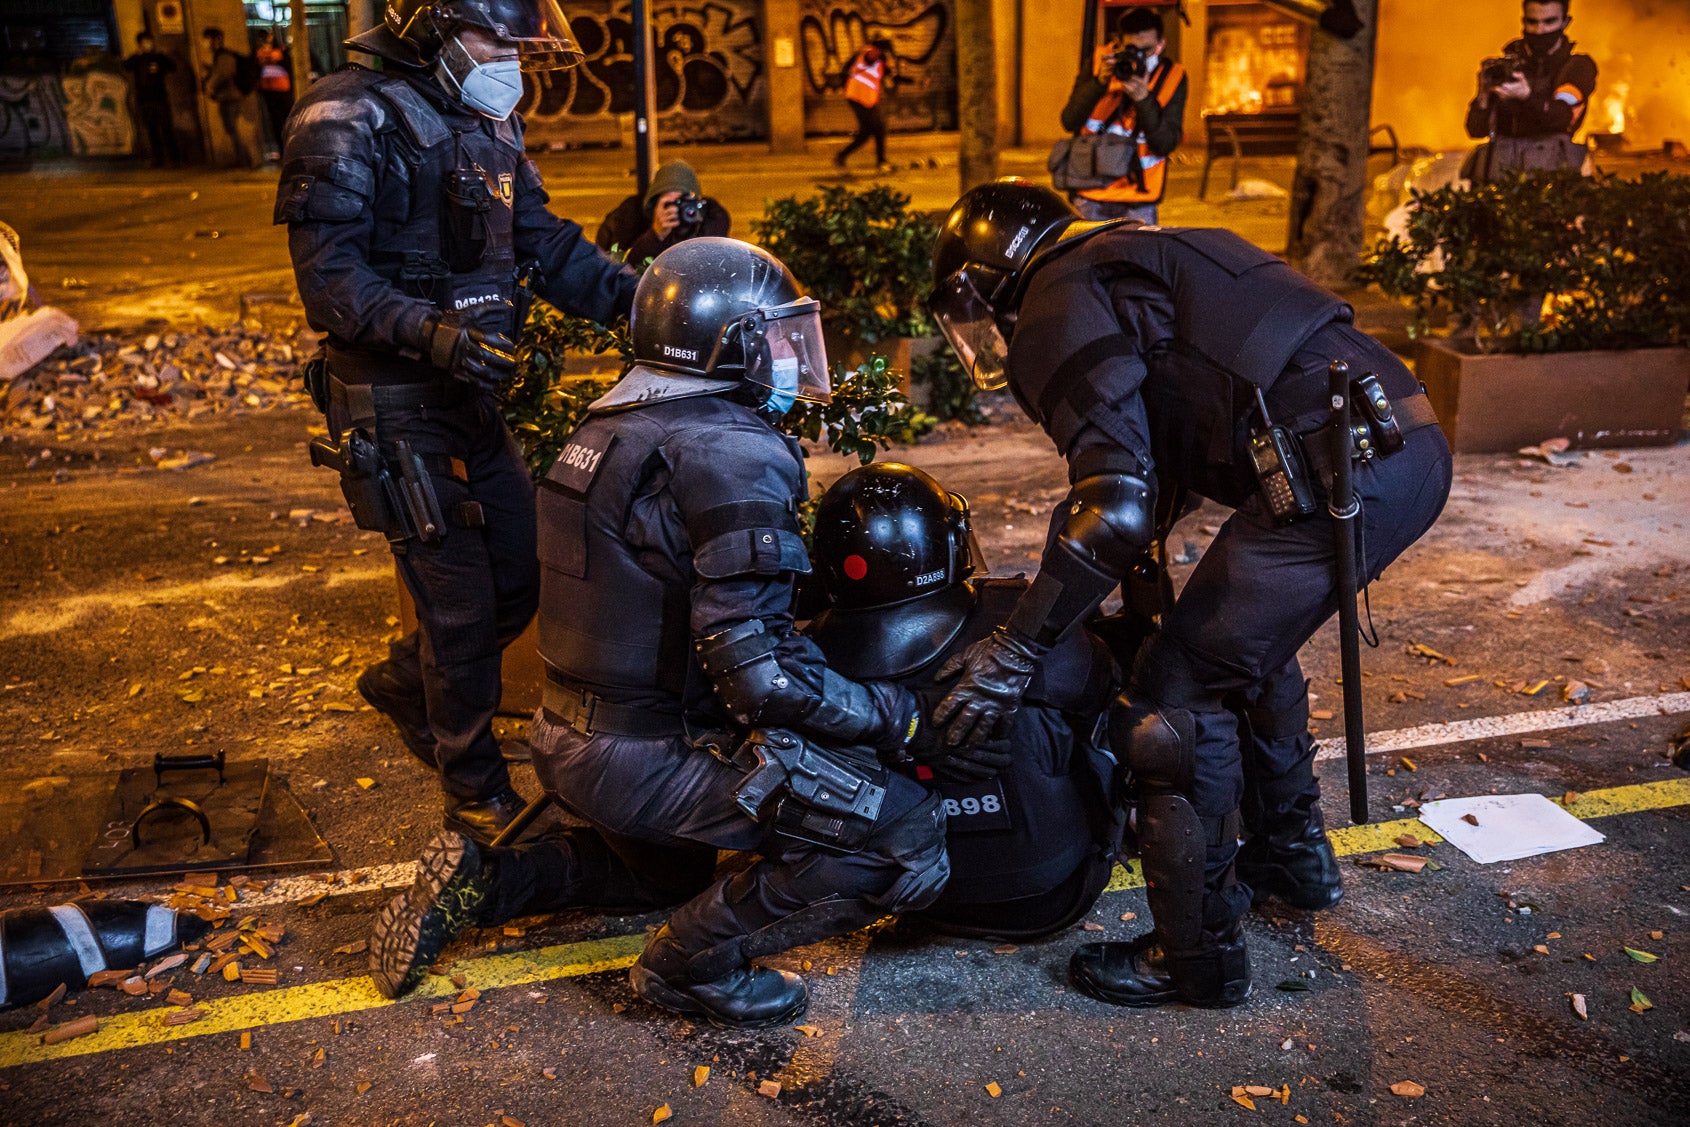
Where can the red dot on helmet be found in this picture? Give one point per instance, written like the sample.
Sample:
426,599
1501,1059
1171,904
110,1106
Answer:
855,567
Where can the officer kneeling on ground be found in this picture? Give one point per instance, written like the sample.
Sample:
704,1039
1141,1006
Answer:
1159,358
1029,825
682,713
409,207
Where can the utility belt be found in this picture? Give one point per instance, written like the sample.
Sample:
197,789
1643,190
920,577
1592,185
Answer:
568,703
392,493
1293,471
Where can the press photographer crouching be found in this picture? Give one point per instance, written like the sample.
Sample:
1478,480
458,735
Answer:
1127,117
673,210
1531,99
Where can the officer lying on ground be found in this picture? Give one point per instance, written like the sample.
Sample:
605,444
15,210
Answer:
409,207
682,714
1030,829
1159,358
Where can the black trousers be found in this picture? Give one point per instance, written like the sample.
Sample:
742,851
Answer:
161,133
1258,594
870,123
475,589
660,810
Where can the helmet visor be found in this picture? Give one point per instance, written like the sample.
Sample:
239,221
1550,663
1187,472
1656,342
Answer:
966,319
784,350
539,29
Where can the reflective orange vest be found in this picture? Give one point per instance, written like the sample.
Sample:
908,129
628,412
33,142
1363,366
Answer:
1153,169
863,84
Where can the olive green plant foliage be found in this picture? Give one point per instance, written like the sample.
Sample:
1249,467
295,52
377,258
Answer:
1609,253
543,405
864,255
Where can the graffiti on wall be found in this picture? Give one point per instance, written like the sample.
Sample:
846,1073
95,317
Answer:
709,75
923,35
97,113
32,115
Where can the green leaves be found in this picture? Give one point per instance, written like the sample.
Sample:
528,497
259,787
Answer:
1607,252
1640,1001
864,255
868,412
1637,956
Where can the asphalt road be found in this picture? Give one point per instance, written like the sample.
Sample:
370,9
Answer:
121,636
110,583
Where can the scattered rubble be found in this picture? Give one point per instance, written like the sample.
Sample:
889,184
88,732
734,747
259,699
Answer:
104,381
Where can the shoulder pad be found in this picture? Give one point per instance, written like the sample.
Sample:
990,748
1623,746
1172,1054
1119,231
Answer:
422,122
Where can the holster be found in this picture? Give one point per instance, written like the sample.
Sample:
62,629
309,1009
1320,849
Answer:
369,489
824,796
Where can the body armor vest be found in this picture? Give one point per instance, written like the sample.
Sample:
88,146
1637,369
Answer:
1239,315
613,618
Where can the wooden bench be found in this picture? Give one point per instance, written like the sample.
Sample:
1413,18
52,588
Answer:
1268,133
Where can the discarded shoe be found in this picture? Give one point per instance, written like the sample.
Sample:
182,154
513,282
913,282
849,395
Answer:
43,947
396,696
483,819
1140,973
452,886
748,997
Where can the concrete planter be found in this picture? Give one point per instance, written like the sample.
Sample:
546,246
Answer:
1503,401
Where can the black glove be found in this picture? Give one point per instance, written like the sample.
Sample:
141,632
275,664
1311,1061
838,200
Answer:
971,763
483,359
995,672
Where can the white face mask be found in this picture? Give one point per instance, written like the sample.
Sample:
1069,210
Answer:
492,88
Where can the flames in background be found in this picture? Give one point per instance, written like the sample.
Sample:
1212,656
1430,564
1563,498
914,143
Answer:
1429,52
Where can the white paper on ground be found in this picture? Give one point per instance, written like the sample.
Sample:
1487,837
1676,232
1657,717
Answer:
1511,826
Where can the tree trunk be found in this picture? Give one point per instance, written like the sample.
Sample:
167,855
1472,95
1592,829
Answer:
1329,189
300,49
976,94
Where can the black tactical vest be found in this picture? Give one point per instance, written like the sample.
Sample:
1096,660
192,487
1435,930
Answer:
1239,315
614,618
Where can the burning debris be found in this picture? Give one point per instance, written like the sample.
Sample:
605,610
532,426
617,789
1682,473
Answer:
105,381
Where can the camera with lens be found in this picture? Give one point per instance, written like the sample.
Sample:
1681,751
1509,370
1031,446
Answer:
1501,70
689,210
1129,62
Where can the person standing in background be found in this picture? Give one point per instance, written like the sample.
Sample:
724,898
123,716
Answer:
148,69
222,87
275,86
872,71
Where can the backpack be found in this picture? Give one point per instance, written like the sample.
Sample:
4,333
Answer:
246,73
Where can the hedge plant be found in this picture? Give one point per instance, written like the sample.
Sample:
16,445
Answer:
1609,253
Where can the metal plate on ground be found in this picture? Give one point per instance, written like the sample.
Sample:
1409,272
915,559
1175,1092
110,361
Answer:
52,825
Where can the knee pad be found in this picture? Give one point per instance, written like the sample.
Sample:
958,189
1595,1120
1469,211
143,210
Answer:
1159,746
915,842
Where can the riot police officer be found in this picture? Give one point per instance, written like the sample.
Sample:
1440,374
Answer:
682,714
1030,827
410,207
1158,358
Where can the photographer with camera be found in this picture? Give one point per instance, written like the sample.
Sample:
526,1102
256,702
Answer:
673,210
1135,94
1531,99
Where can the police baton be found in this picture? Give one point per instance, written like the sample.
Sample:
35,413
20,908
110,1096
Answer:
1343,507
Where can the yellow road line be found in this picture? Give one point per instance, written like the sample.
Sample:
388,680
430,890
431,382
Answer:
568,960
324,999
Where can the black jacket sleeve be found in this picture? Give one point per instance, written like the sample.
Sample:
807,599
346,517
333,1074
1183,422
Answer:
1163,126
335,146
1087,90
714,222
579,277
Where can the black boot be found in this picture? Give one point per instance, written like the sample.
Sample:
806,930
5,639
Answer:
454,882
482,819
393,692
748,997
1139,973
1297,866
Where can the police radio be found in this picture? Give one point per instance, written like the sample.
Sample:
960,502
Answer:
1279,469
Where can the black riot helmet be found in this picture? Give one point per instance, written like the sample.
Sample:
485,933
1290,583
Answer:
538,28
720,309
887,533
982,259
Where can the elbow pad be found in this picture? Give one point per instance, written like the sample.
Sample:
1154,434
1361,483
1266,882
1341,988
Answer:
744,664
1106,523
